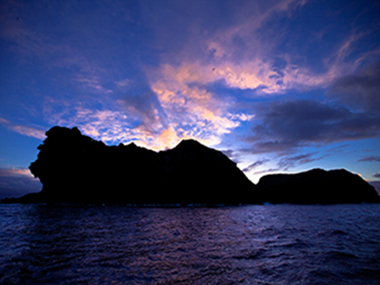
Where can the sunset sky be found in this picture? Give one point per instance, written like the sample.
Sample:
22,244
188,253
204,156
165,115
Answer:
278,86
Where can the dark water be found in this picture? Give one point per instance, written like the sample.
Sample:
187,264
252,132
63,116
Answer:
238,245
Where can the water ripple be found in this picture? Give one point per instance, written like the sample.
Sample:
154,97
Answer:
243,245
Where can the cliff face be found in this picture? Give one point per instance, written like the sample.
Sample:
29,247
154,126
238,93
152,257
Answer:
316,186
76,168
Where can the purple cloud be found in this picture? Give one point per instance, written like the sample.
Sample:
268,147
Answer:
145,108
361,89
370,159
291,161
286,126
266,171
255,164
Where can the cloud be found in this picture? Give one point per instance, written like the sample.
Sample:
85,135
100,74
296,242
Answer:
190,108
376,175
106,125
272,48
176,105
361,89
23,130
286,125
123,83
17,182
232,51
144,108
292,161
370,159
237,46
243,53
264,77
266,171
255,165
15,172
250,53
144,125
92,83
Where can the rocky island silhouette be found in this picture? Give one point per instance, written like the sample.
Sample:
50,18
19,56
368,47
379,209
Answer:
74,168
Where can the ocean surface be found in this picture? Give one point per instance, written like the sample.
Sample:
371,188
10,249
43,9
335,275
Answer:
281,244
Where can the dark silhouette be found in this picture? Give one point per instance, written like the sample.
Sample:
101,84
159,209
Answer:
316,186
77,169
74,168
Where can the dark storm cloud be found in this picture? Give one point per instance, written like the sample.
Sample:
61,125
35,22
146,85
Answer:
361,89
376,175
284,126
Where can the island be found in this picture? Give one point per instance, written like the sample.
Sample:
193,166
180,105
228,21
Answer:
317,186
74,168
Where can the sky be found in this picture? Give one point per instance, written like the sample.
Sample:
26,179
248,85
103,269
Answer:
278,86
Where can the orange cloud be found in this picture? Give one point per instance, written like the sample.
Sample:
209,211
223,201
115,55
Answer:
192,110
168,138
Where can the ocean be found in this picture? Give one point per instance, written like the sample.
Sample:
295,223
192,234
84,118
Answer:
278,244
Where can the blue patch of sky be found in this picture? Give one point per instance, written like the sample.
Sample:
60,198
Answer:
314,31
17,150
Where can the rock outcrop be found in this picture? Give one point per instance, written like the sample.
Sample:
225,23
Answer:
316,186
74,168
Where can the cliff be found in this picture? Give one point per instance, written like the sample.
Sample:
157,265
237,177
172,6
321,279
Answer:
316,186
74,168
